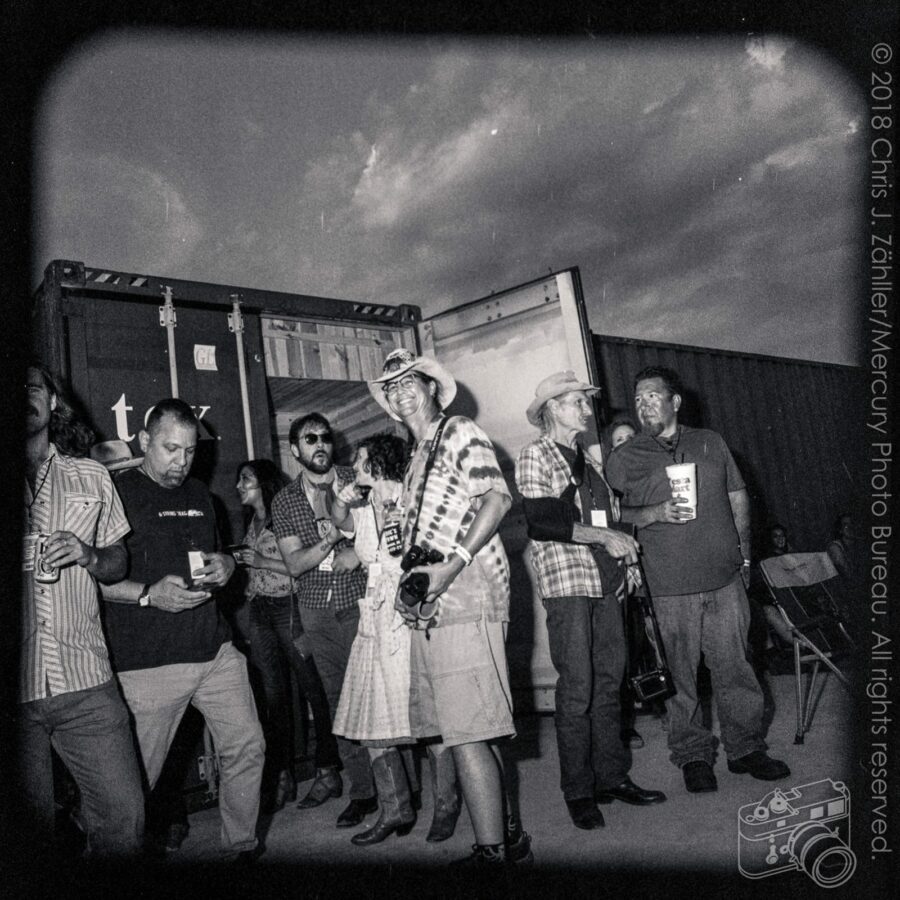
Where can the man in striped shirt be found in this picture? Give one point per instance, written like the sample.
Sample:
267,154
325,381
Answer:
68,697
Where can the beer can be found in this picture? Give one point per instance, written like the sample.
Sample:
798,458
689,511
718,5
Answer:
43,572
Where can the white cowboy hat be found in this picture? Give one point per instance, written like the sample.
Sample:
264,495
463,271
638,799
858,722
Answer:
397,363
553,386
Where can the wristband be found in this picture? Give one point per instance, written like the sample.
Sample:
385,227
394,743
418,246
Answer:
462,553
746,562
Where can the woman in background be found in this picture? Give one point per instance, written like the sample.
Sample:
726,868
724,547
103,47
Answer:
374,704
622,429
276,639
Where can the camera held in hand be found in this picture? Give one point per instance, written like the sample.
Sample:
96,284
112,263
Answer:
414,588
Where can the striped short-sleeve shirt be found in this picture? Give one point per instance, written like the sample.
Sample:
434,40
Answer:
63,647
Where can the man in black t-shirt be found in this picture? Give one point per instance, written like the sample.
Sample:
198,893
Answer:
169,643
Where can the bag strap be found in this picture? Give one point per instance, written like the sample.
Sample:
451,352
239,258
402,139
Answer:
429,463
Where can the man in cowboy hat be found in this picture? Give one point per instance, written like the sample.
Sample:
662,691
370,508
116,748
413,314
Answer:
580,565
459,684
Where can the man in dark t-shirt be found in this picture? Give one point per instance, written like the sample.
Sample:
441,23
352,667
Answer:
169,643
697,564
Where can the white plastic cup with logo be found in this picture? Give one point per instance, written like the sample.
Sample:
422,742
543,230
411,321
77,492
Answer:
683,481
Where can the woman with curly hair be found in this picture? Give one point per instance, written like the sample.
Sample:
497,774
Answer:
374,704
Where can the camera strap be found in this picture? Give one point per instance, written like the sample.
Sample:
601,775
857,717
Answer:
429,462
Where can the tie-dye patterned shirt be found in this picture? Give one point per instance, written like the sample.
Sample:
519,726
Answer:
465,468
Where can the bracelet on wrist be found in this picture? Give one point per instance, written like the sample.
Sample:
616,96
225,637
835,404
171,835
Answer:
462,553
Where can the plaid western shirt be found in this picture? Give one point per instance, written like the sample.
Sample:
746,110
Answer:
562,570
293,515
63,647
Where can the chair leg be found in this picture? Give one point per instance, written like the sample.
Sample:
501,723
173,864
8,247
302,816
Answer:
798,738
810,695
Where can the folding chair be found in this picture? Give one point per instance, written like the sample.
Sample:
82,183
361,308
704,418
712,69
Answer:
801,586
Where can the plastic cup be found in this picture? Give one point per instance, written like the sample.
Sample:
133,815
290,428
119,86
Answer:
683,480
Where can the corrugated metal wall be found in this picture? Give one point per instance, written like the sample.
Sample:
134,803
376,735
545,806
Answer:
795,428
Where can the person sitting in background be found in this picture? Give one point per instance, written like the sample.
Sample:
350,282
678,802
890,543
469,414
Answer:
778,543
275,632
848,553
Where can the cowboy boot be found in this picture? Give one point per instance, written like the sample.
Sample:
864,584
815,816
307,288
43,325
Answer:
446,796
397,814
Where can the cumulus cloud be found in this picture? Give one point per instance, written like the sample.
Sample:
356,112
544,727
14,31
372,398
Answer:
768,52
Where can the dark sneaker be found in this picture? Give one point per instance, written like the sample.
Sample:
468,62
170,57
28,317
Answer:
629,792
518,851
760,765
585,814
481,855
699,777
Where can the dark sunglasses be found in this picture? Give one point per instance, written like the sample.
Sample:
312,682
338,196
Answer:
311,438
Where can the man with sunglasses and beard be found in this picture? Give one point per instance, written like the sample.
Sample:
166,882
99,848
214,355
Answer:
329,582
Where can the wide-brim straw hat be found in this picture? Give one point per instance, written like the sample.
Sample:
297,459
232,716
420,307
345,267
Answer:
401,361
554,386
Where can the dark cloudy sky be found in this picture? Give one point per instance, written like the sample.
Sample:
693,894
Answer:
708,189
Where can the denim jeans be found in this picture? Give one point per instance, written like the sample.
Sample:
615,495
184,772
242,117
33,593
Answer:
330,637
714,623
91,732
220,690
587,647
272,629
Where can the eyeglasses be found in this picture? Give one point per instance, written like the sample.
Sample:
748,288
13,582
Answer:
392,386
311,438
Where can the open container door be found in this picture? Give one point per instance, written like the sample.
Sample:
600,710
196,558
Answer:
498,349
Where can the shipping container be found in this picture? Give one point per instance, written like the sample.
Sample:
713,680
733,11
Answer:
251,361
